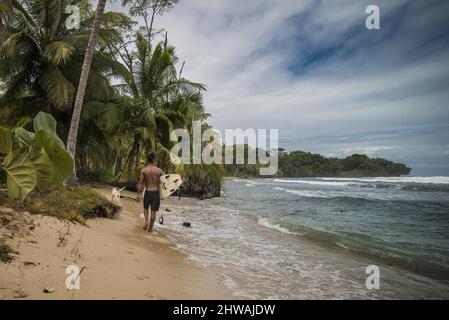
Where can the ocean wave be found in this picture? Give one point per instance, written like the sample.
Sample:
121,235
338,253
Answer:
264,222
315,182
420,184
427,180
305,193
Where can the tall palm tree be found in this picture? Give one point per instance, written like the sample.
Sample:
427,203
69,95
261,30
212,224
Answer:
41,61
158,99
74,125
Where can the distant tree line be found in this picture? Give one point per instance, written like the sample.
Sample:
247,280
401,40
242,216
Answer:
307,164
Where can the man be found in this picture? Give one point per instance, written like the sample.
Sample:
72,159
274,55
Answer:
149,179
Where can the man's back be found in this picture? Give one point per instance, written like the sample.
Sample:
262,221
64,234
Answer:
151,177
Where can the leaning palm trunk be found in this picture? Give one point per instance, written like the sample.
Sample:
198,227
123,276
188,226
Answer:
73,132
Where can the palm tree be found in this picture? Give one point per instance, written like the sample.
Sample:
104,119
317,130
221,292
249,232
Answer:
158,99
41,61
74,125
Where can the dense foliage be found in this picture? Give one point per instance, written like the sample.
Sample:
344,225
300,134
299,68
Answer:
33,160
135,95
306,164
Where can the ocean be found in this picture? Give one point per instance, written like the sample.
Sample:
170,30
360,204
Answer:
300,238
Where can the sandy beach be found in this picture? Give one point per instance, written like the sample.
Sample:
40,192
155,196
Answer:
121,261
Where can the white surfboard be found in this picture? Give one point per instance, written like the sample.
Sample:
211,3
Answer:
169,184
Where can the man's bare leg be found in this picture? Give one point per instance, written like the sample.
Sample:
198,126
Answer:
145,212
153,217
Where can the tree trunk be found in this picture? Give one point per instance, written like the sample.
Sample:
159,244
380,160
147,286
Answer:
115,168
83,160
132,156
73,132
138,154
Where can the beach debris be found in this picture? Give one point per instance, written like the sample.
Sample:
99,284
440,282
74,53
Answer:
187,224
167,209
29,263
5,253
5,220
49,290
20,294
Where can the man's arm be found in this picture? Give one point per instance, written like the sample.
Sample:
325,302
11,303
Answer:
140,185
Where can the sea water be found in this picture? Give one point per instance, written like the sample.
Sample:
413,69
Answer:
314,238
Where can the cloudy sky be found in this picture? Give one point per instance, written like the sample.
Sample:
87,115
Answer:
311,69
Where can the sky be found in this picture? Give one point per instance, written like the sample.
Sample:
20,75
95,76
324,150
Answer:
311,69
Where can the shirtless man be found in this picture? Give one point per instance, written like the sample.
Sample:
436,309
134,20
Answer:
149,179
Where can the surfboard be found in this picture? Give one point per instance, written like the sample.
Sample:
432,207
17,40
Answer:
169,184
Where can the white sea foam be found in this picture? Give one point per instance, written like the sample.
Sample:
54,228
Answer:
264,222
305,193
434,180
316,182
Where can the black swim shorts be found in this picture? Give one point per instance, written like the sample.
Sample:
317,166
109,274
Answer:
151,198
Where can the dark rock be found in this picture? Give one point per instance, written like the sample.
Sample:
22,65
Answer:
167,209
187,224
49,290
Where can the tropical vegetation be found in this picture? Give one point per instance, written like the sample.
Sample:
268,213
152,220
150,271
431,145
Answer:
33,160
307,164
114,87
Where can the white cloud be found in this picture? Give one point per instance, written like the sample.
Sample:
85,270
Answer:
310,68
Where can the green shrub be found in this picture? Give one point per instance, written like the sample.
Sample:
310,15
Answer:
74,204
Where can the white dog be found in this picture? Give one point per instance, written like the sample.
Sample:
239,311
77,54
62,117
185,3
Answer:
115,195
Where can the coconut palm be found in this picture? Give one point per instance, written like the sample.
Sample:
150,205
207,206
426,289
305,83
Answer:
41,60
76,115
158,99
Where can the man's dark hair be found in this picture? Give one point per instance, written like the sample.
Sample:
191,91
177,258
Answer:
150,157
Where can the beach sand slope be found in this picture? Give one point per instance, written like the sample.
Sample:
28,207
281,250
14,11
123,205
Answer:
120,260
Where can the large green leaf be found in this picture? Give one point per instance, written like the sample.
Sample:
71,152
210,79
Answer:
43,165
24,137
60,158
21,174
44,121
5,141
